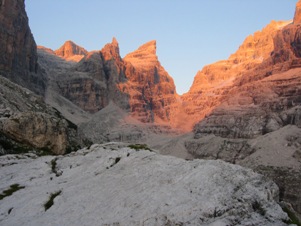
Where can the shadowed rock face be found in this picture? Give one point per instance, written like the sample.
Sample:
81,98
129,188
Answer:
18,60
27,123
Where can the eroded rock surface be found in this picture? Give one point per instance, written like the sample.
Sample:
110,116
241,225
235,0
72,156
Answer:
27,123
111,184
276,155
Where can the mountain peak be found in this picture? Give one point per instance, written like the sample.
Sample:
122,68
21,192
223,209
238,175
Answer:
111,50
145,54
258,46
149,47
71,51
114,42
70,43
297,17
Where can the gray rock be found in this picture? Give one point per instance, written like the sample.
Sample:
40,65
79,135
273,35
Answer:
104,185
27,123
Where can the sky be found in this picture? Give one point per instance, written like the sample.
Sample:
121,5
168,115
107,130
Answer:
189,33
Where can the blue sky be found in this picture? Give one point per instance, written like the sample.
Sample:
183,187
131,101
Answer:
190,34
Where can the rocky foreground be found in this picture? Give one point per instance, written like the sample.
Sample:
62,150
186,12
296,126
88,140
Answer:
113,184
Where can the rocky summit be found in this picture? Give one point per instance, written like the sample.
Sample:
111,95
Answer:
71,51
244,110
151,89
138,83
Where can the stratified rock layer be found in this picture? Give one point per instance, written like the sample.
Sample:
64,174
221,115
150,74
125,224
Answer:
257,101
93,82
214,82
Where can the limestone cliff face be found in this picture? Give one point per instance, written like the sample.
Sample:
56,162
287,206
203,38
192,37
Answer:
27,123
18,58
93,82
38,130
251,96
258,47
264,97
214,82
138,83
256,108
151,89
255,49
144,57
71,51
287,47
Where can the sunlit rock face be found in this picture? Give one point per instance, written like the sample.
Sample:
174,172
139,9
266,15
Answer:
259,104
258,47
18,58
144,57
214,81
287,47
71,51
256,108
258,100
152,91
93,82
138,83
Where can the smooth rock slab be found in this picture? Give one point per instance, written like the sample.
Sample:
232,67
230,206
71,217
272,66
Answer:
111,185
